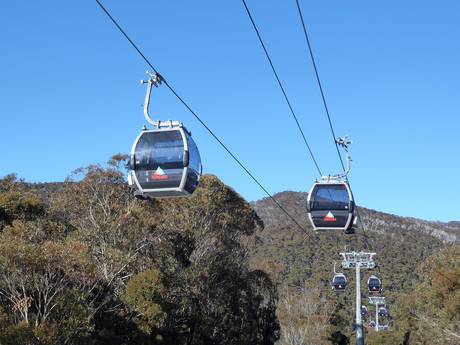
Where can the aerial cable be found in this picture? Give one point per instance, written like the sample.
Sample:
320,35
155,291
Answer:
281,86
201,121
319,82
368,244
312,57
288,101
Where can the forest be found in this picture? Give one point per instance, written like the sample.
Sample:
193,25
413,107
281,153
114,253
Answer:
84,262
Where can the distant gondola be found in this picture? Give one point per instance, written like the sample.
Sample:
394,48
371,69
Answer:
339,282
374,284
383,312
364,311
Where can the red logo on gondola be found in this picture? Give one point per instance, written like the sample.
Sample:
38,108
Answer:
159,174
329,217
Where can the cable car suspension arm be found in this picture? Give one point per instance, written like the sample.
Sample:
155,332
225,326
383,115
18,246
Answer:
344,142
154,80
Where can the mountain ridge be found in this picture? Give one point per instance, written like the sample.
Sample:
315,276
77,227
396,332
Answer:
295,202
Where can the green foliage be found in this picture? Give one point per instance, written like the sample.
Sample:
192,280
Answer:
16,334
142,296
16,205
304,317
86,263
431,312
294,259
46,333
76,317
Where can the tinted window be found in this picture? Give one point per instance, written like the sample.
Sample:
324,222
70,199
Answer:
194,154
374,282
330,197
339,280
164,149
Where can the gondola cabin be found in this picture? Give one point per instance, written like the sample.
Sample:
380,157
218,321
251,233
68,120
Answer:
164,162
331,206
374,284
364,311
339,282
383,312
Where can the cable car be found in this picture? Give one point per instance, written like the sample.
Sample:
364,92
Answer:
339,282
364,311
331,205
165,162
374,284
383,312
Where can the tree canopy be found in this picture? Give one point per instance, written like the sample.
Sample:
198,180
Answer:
90,264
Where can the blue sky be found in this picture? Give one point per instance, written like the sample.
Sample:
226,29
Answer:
70,92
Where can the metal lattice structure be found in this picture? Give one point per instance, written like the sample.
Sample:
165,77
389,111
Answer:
378,301
357,261
363,259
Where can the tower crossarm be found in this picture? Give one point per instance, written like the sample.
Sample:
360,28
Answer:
358,259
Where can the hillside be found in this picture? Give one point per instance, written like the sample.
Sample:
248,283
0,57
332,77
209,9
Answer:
84,262
295,259
295,202
400,243
221,277
375,221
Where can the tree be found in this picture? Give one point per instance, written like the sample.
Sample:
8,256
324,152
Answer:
143,297
90,264
304,317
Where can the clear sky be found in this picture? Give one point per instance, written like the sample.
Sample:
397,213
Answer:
70,93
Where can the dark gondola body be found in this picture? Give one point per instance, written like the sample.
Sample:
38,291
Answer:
331,206
383,312
339,282
165,162
364,312
374,284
